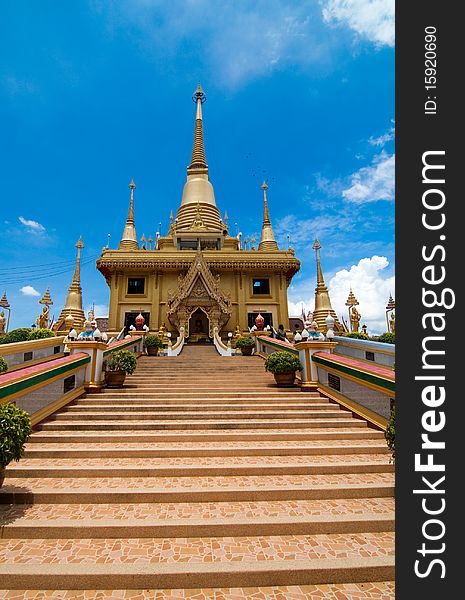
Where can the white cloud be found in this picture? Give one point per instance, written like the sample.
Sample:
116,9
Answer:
32,226
375,182
28,290
237,40
382,139
369,284
372,19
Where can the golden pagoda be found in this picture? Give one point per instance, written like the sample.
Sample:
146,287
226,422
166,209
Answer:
73,304
323,306
198,276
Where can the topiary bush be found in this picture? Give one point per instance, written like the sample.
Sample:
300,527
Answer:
3,365
122,360
390,433
245,342
153,341
15,428
387,338
282,362
16,335
40,334
358,335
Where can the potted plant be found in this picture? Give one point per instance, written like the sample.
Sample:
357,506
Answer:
3,365
15,428
153,343
246,345
117,366
390,433
283,365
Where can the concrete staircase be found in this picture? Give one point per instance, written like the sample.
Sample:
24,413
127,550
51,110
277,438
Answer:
200,479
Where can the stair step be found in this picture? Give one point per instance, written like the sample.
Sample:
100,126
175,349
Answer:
375,590
128,415
23,517
182,449
226,435
185,424
194,489
210,561
119,406
193,467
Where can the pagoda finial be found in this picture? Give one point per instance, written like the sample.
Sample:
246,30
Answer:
351,299
319,272
267,240
198,160
129,237
46,298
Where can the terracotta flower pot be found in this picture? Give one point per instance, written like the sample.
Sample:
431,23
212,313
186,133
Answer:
152,350
246,350
2,476
115,379
285,379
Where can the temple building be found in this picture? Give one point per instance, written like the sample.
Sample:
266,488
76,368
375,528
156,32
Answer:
197,276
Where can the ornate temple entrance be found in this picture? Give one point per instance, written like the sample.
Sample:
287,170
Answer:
199,304
199,327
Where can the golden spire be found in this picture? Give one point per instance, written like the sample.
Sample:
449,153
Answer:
199,160
267,240
129,238
73,304
323,306
198,190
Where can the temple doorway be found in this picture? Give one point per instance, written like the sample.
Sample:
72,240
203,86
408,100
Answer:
198,327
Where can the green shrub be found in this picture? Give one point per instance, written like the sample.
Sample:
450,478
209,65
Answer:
387,338
17,335
358,335
390,433
122,360
15,428
245,342
3,365
153,341
40,334
282,362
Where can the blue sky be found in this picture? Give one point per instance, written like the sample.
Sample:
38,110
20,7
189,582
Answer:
97,92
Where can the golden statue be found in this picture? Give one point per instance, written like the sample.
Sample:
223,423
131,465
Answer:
162,331
237,334
2,323
354,318
42,319
392,322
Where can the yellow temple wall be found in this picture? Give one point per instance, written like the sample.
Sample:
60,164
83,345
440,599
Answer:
158,285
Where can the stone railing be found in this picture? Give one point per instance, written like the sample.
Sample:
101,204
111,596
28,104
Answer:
98,352
367,389
176,348
377,352
265,344
222,348
43,388
32,352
